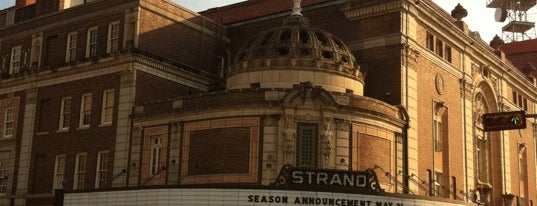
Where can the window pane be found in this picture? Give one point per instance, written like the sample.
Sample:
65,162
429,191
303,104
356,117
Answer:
59,172
80,172
307,143
71,47
8,122
114,37
65,113
85,111
102,170
15,59
108,106
156,148
3,173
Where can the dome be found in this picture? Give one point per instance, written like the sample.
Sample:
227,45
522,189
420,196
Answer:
283,56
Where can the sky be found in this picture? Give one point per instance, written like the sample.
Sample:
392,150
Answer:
480,18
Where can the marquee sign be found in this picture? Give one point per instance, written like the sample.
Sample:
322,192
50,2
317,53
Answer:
361,180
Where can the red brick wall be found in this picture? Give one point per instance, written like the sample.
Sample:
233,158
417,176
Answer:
168,38
49,142
374,151
55,39
150,88
219,151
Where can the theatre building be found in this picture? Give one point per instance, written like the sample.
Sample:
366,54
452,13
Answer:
265,102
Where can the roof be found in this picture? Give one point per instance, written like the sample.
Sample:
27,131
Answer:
253,8
520,47
522,54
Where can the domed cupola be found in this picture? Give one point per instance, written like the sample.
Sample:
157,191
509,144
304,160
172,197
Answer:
295,52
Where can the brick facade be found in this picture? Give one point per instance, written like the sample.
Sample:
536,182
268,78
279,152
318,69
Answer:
427,81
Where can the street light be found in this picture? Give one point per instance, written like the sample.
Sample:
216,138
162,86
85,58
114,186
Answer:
504,121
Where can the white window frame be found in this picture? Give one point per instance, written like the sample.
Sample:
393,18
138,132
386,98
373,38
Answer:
80,171
16,60
85,110
155,154
107,113
113,37
92,42
4,177
9,121
101,174
59,172
70,51
65,113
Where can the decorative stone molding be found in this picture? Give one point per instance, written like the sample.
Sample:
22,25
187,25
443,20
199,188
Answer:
342,125
271,120
409,55
128,76
479,109
31,95
326,135
289,135
375,10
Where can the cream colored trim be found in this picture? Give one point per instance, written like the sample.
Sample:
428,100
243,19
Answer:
106,66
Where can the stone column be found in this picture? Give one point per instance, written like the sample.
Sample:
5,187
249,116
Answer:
127,94
136,150
342,144
175,150
270,168
25,156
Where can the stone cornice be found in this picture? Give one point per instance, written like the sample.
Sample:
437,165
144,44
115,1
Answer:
373,10
105,66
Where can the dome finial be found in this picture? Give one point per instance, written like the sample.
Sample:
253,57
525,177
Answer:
296,9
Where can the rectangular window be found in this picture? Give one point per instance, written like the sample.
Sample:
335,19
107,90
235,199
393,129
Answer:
108,107
429,41
71,47
447,53
113,37
91,48
8,122
65,113
439,48
437,129
15,60
80,171
307,145
438,184
515,95
156,148
85,110
59,172
102,169
3,177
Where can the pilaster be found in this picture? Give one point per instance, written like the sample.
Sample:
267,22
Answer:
127,93
26,145
270,154
410,102
175,151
